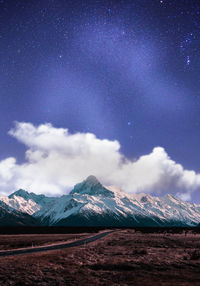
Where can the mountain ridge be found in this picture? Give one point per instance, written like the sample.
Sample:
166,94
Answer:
11,217
91,204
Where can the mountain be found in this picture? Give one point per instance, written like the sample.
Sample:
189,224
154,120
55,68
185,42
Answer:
92,204
11,217
23,204
91,186
40,200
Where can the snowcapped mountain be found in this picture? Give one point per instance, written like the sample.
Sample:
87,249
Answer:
40,200
20,204
11,217
92,204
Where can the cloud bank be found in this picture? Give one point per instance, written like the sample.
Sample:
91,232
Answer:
56,160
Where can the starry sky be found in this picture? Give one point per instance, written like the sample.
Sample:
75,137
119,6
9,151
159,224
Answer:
123,70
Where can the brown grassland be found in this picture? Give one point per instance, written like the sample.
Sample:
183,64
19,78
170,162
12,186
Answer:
124,257
32,240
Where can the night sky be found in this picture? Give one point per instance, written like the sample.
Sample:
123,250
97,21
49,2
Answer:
122,70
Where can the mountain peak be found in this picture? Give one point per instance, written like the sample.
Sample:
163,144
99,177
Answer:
20,193
92,180
38,199
91,186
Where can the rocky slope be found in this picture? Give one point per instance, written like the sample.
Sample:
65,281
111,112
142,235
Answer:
11,217
92,204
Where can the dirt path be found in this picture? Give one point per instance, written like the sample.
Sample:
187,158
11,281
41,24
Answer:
55,246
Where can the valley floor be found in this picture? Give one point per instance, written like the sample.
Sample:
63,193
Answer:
19,241
124,257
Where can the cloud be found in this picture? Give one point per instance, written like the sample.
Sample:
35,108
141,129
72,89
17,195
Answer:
56,160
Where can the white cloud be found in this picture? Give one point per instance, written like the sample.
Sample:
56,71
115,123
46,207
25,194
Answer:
8,172
56,160
184,196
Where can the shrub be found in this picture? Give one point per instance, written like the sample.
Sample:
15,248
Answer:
142,251
194,255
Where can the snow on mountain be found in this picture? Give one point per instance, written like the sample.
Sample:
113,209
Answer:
91,186
38,199
11,217
92,204
20,204
26,202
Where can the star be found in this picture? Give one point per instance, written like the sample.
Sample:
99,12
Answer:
129,123
188,61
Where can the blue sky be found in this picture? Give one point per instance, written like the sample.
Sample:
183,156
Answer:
122,70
